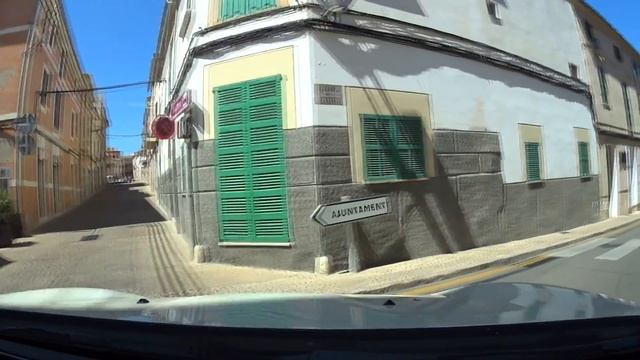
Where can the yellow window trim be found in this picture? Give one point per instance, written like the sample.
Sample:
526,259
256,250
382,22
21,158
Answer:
531,133
386,102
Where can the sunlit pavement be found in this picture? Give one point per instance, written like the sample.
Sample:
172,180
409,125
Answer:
117,240
606,264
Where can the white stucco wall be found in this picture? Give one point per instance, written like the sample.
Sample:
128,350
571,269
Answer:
540,30
304,90
466,95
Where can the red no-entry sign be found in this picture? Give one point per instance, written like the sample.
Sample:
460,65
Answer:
163,127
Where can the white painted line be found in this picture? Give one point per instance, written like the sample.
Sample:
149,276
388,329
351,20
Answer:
621,251
579,249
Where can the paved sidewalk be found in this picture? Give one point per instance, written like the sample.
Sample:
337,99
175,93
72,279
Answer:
412,273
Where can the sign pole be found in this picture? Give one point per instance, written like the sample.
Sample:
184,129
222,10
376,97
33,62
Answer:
350,212
354,258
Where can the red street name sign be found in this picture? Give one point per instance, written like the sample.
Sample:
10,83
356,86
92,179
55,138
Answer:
163,127
180,105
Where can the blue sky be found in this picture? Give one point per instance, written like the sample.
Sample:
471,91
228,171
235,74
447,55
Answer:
623,15
116,40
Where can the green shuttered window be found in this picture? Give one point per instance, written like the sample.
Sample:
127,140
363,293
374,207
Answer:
235,8
532,152
250,168
393,147
583,158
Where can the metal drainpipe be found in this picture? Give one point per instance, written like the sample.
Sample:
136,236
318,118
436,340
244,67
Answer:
26,65
191,203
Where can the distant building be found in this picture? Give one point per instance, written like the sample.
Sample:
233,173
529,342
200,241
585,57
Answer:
60,162
115,164
474,118
613,72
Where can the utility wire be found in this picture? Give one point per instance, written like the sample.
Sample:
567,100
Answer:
96,88
128,135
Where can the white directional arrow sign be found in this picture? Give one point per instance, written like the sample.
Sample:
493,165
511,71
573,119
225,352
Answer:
352,210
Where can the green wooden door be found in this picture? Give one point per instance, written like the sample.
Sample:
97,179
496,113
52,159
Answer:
251,169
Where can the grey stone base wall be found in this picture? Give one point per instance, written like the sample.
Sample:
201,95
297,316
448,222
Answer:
465,205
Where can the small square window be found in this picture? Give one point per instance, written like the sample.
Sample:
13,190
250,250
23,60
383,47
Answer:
583,158
588,29
617,53
393,147
44,87
52,36
493,9
532,153
573,70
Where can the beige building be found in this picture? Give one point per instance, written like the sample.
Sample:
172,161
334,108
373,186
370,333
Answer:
115,164
61,160
613,71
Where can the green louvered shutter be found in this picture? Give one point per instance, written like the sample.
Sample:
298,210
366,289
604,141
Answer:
393,147
532,151
267,157
251,162
235,8
233,164
583,157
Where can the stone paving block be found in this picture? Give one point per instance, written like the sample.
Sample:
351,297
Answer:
443,142
204,179
204,153
490,163
299,142
301,171
519,218
331,141
481,198
476,142
457,164
333,169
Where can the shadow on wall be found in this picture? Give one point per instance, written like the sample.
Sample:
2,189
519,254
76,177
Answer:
117,205
410,6
426,220
363,59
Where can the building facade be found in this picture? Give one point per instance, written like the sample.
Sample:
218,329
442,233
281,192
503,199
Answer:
474,119
55,160
115,164
613,70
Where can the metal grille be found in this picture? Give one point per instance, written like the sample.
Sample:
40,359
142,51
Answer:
5,173
328,94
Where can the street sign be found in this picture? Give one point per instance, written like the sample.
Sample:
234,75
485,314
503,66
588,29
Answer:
352,210
163,127
26,144
26,124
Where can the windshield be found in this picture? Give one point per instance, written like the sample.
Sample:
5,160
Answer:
255,150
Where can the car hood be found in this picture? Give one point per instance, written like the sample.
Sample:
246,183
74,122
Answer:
474,305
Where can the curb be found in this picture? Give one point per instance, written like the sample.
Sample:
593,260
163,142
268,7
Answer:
504,261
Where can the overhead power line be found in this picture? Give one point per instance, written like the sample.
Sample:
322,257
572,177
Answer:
127,135
118,86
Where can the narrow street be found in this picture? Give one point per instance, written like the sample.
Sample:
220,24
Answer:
116,240
605,265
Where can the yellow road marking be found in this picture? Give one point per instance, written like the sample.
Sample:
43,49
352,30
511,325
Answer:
472,278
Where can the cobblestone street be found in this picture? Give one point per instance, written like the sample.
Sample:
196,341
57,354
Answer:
117,240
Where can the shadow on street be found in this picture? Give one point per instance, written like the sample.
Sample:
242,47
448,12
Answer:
4,262
117,205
